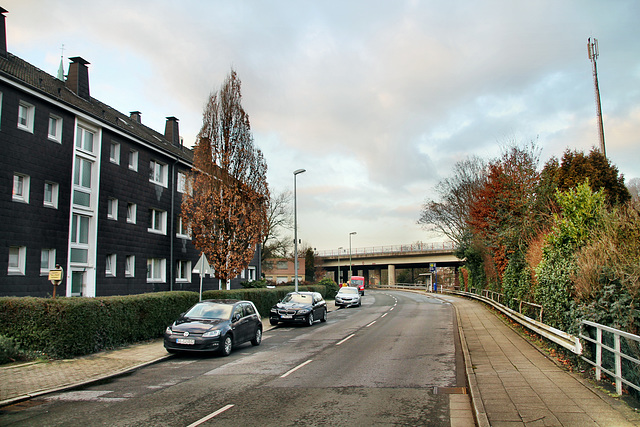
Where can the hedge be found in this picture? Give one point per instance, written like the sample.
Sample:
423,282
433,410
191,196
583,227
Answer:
69,327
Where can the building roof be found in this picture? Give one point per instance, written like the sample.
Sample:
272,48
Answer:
20,71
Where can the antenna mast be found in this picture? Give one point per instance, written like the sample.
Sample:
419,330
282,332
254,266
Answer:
592,49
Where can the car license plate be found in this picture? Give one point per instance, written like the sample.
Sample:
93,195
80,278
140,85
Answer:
187,341
287,316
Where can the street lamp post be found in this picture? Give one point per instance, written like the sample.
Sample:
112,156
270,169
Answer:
339,249
295,228
350,234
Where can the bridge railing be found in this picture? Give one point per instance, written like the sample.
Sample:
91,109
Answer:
391,249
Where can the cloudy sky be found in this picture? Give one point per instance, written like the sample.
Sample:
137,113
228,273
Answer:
375,99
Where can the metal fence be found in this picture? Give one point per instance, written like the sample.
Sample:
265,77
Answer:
391,249
611,360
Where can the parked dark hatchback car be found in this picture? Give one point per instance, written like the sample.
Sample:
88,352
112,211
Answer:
215,325
299,307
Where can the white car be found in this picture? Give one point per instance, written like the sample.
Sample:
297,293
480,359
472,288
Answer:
348,296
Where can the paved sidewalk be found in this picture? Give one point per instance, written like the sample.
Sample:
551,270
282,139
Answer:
513,384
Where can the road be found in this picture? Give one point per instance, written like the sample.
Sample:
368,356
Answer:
390,362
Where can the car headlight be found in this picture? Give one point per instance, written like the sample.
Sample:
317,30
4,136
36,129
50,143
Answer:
303,311
168,330
211,334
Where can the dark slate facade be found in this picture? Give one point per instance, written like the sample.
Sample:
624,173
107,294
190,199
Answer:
90,189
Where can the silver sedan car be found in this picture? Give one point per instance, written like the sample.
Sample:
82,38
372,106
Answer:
348,296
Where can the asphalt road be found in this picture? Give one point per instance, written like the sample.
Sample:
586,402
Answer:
379,364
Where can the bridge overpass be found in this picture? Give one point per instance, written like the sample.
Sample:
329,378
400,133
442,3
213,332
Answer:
371,261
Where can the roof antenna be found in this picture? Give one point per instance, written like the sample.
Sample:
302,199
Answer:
61,67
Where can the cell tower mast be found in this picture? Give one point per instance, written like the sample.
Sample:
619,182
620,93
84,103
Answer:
592,48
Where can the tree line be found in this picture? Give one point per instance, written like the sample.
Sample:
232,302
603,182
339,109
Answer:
565,235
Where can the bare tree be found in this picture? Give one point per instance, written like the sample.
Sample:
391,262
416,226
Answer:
226,204
457,193
278,220
634,188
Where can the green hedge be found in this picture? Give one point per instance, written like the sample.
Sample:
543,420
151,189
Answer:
68,327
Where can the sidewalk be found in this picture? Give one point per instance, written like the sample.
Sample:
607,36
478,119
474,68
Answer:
512,383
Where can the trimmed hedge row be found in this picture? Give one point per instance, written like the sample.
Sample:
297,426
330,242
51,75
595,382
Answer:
69,327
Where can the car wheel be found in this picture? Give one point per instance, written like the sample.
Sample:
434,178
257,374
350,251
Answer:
310,319
257,338
273,322
324,316
359,303
227,345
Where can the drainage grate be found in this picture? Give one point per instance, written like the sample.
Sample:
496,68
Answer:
450,390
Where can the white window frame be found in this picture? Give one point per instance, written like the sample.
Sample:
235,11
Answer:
26,114
82,140
132,210
53,203
110,265
114,152
55,131
161,264
157,221
133,160
130,266
182,231
17,268
251,272
48,255
76,234
182,182
21,184
158,173
112,208
183,271
81,163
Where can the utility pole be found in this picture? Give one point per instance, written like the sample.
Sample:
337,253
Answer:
592,48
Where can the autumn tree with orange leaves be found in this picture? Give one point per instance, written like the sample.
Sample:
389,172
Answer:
225,206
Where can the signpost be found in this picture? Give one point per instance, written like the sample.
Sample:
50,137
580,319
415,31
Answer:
202,267
55,276
432,268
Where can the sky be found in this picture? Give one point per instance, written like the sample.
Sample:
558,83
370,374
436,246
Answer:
376,100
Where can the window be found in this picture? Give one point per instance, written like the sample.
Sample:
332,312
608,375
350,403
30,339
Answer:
84,139
50,195
156,270
183,271
112,209
131,213
26,112
17,260
133,160
114,153
79,239
47,261
21,188
252,273
82,182
55,128
110,266
283,265
130,266
158,173
182,182
157,221
183,230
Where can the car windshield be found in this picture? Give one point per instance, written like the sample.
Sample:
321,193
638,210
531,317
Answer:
348,290
209,311
299,298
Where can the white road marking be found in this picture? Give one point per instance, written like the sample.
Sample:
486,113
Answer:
291,371
349,337
371,323
383,315
208,417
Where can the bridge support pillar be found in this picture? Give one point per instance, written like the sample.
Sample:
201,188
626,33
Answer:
392,275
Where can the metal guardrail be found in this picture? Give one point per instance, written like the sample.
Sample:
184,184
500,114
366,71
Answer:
404,286
393,249
616,352
561,338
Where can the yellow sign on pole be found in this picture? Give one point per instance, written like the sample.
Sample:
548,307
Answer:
55,274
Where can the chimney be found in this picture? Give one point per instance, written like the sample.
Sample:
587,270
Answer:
78,78
172,131
3,33
136,116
